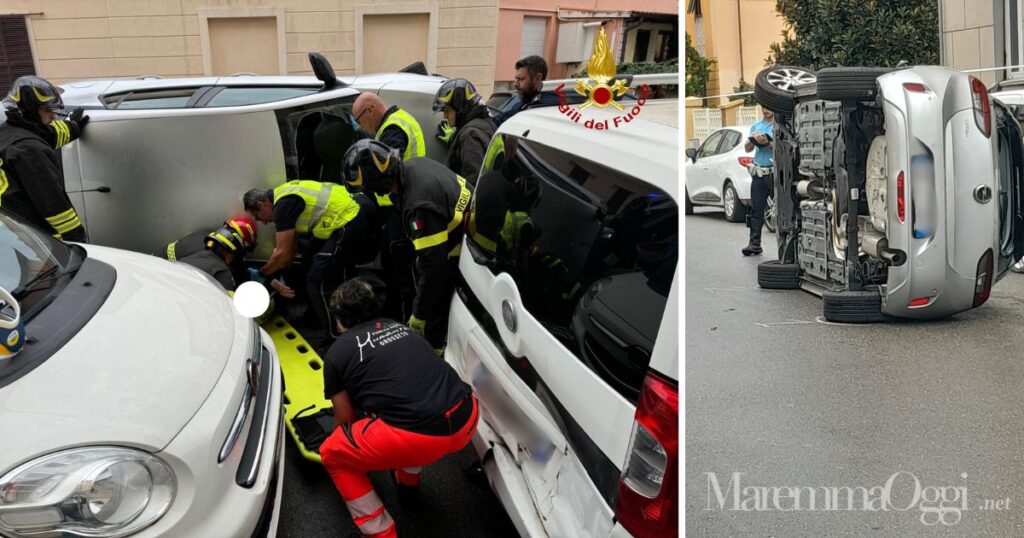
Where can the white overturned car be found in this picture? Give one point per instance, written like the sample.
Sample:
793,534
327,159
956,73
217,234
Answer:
142,405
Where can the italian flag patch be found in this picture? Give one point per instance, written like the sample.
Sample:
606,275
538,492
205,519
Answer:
416,225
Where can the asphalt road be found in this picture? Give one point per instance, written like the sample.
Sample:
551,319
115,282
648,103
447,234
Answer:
451,502
791,402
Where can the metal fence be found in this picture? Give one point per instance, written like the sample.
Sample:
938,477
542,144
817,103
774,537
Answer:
706,120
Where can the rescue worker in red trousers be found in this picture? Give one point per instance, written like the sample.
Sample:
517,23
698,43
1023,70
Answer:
432,202
418,409
31,183
467,127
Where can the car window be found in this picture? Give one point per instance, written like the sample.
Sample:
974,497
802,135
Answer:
731,140
27,254
710,146
592,250
314,137
251,96
164,98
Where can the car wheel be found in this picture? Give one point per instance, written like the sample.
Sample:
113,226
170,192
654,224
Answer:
775,275
773,87
852,306
842,83
735,211
769,213
687,204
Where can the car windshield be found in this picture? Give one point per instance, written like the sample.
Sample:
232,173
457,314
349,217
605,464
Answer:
30,262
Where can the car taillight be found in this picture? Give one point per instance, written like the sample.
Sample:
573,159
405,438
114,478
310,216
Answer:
983,282
920,301
982,107
901,198
648,502
745,161
915,87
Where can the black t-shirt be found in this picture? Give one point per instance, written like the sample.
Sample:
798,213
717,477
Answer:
392,373
287,211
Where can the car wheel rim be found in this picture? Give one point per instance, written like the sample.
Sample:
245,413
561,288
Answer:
785,79
769,213
730,202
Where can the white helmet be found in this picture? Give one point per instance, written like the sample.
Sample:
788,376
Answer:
12,330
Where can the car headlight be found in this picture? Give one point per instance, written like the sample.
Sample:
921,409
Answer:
100,491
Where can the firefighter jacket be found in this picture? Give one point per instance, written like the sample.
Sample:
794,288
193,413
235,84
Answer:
466,152
31,182
433,200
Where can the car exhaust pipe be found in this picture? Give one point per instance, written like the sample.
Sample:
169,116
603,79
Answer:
810,188
877,246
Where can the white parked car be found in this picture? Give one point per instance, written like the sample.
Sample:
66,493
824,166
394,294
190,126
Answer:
566,324
716,174
142,404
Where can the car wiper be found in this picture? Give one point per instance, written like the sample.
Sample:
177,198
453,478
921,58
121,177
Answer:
44,276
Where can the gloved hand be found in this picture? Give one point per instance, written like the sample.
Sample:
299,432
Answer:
255,276
352,121
417,324
445,132
78,116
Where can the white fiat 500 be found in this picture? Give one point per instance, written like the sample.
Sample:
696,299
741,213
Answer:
142,404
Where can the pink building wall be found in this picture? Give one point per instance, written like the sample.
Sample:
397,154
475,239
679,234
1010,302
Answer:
510,27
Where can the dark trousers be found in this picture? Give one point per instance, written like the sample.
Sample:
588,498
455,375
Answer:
436,331
760,188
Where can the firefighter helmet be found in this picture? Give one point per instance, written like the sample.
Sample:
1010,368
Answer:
457,93
225,239
246,230
30,93
371,166
12,327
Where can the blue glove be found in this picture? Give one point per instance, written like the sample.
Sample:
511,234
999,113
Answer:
352,121
255,276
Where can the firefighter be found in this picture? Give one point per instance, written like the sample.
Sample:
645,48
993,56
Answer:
391,125
195,242
467,126
418,409
223,249
336,223
432,202
31,183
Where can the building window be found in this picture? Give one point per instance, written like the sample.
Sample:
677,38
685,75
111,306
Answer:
534,30
669,47
15,51
1014,38
643,40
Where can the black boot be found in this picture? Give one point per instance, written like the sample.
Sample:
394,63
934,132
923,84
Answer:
752,249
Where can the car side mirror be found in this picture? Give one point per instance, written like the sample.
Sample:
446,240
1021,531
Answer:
692,154
324,71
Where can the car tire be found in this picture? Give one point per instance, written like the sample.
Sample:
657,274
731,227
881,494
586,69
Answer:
769,213
775,275
687,204
849,83
734,209
773,87
852,306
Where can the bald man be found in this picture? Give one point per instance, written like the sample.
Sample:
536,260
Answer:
391,125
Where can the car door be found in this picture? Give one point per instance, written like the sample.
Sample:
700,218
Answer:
1010,166
173,171
699,173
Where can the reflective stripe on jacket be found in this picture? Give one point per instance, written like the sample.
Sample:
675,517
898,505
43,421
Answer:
329,206
408,124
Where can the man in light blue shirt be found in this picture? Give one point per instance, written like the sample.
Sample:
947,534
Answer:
762,137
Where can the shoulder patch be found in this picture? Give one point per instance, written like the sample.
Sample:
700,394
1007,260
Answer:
415,224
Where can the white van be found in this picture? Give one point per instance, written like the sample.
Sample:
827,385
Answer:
565,321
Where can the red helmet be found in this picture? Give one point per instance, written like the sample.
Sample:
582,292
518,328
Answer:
245,228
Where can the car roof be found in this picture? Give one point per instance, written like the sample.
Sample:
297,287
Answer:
88,92
653,134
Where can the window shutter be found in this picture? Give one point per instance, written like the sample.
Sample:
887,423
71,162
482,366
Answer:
534,29
15,51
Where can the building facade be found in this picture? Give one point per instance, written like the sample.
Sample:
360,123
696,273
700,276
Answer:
66,40
983,34
736,34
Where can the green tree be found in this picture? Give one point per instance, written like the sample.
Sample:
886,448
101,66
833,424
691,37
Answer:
744,86
698,70
851,33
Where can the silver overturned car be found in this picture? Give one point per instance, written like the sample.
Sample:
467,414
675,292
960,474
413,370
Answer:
898,192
